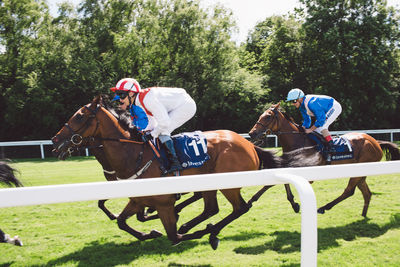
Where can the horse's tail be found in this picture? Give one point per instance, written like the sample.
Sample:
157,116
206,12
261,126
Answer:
7,175
391,150
268,159
304,157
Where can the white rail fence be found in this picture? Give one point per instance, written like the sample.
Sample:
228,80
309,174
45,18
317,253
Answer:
42,143
299,177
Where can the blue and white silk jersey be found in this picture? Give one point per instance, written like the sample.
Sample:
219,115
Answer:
316,106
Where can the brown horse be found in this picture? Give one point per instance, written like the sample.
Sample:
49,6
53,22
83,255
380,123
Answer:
229,152
7,176
96,148
292,137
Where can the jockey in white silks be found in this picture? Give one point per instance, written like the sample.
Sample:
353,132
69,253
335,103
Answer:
324,108
156,110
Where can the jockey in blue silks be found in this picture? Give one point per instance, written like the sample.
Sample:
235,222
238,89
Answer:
324,108
157,111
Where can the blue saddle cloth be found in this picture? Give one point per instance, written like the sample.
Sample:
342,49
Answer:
342,146
191,149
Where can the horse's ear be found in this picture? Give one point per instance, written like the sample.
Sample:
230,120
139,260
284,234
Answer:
96,100
277,105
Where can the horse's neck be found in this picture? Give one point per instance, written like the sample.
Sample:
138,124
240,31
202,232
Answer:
124,157
116,153
290,137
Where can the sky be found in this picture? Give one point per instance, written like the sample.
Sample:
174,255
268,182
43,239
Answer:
246,12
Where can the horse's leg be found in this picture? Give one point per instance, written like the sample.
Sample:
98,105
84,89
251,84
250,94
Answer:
363,186
290,198
131,208
348,191
196,196
2,237
210,209
6,238
240,207
168,219
101,205
178,208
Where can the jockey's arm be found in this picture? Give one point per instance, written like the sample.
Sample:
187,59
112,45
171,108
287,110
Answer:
306,118
319,113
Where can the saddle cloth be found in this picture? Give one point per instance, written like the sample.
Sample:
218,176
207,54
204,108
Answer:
342,146
191,149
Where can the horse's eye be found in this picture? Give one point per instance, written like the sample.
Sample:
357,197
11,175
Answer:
79,117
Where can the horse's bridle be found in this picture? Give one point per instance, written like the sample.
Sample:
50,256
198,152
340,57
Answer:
76,138
266,128
269,131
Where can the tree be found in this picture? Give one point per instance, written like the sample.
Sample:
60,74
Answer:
350,52
346,49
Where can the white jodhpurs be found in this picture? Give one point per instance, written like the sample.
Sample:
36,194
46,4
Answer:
180,115
331,116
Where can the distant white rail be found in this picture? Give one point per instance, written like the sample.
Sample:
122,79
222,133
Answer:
299,177
42,143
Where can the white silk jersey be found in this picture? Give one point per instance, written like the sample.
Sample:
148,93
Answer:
167,108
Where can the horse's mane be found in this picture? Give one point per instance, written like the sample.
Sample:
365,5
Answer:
123,117
290,119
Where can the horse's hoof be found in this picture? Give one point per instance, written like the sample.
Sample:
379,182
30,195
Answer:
155,234
214,241
17,241
321,211
183,229
296,208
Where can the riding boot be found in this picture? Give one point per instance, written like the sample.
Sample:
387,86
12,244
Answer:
171,155
331,147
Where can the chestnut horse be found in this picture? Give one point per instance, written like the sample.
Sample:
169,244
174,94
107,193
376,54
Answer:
292,137
7,177
228,151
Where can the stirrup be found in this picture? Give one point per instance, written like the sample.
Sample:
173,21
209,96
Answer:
174,168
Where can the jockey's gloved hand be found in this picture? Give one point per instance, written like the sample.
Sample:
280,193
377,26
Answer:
147,137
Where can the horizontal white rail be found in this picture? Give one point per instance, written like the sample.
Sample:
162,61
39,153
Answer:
10,197
157,186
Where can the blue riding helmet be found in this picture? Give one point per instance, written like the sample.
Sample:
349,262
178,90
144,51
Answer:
294,94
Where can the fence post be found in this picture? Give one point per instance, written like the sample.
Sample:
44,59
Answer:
309,231
41,151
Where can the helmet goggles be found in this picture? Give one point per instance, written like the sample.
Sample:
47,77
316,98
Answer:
120,95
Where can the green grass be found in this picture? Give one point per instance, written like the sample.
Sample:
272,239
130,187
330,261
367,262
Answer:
79,234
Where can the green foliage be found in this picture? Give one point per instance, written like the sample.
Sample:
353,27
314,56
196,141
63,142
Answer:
346,49
352,44
84,52
51,66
